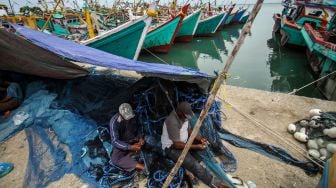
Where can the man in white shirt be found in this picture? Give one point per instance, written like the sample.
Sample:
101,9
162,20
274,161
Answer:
174,137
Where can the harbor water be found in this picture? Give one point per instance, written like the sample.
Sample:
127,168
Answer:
260,64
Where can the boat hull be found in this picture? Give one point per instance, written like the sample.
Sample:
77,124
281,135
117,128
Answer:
321,55
209,26
184,39
291,34
238,16
125,41
188,28
160,39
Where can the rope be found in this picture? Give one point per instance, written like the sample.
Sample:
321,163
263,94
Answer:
268,130
296,90
156,56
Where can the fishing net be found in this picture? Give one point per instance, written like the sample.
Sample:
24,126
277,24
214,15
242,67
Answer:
67,128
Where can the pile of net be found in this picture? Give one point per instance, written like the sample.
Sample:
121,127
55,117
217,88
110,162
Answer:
67,127
318,131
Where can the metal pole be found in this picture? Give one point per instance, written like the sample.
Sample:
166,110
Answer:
245,31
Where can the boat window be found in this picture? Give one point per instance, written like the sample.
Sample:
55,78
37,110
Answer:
316,13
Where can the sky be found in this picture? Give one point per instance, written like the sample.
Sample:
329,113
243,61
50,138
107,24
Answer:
19,3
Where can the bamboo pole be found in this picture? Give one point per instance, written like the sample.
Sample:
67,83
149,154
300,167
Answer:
48,20
245,31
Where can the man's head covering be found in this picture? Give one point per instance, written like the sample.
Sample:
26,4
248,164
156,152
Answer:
185,107
126,111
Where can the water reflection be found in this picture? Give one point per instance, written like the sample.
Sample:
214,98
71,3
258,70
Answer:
289,69
206,54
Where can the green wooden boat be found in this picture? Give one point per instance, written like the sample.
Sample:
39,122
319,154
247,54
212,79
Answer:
209,26
125,40
321,44
294,17
161,38
53,28
188,27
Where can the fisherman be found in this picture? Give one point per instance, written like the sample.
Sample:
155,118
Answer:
175,133
126,139
11,96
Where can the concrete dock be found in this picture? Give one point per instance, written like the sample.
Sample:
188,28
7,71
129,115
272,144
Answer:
276,110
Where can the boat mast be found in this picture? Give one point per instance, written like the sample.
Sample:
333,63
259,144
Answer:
11,6
88,20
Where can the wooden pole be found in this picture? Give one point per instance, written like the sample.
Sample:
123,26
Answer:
48,20
88,20
245,31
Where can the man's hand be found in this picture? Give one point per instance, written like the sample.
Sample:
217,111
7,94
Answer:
204,141
201,146
135,147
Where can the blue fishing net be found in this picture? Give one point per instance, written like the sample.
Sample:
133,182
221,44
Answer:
67,127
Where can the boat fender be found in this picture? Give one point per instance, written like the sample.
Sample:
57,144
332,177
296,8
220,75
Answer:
324,153
331,147
312,144
315,112
316,118
300,137
304,123
291,128
330,132
320,142
314,153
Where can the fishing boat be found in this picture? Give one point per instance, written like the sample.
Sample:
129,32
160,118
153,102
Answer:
53,27
188,27
321,53
240,13
125,40
296,15
229,18
244,18
221,26
209,26
161,38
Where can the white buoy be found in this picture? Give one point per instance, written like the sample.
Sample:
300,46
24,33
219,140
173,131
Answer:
303,123
316,118
312,144
301,137
303,130
314,153
331,147
291,128
330,132
315,112
321,143
324,154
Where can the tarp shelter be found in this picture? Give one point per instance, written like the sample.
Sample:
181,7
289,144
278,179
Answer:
69,50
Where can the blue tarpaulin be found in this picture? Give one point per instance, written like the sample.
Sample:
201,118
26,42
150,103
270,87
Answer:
77,52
